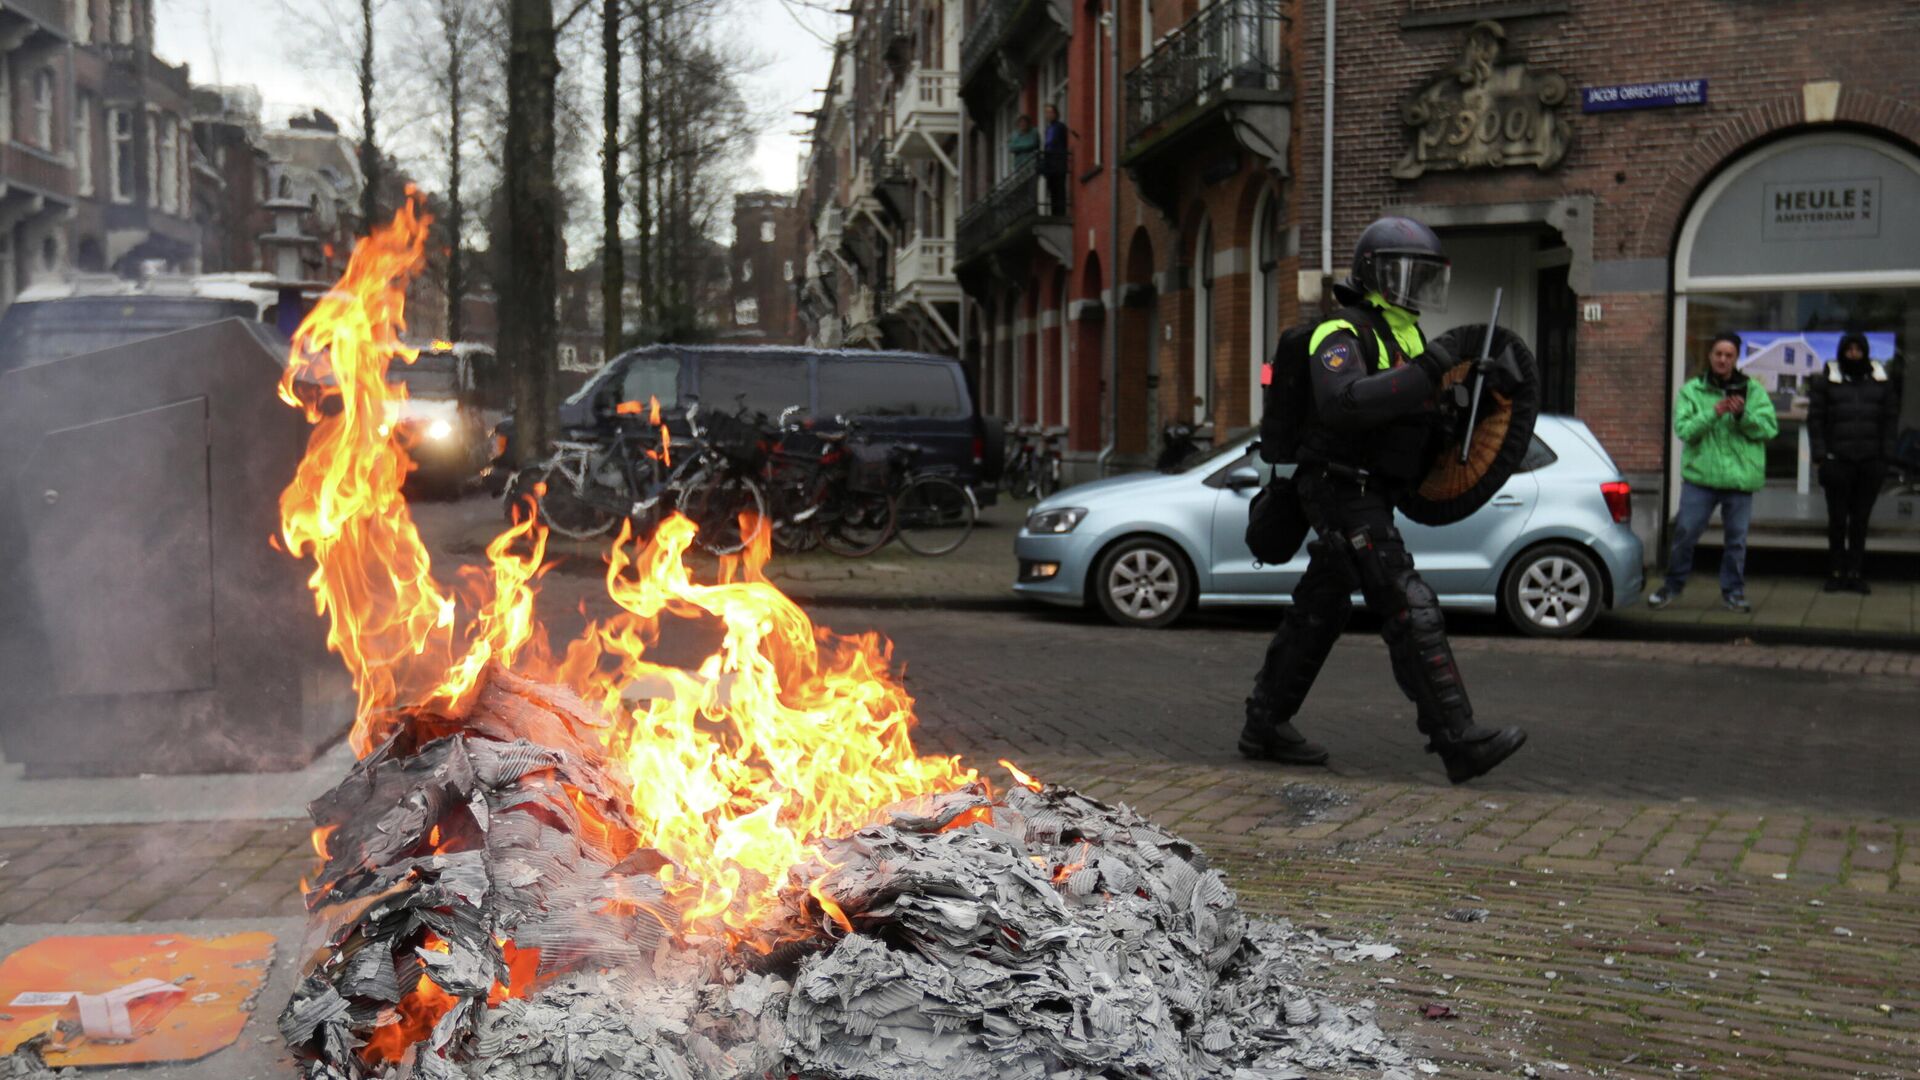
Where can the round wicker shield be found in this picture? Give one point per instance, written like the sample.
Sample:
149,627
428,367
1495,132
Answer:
1453,489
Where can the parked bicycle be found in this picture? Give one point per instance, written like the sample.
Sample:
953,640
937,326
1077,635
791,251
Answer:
827,490
1032,470
933,509
637,473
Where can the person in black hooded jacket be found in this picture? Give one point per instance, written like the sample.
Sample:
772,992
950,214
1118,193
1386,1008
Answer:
1852,415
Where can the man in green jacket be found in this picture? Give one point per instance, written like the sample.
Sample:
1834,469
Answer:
1723,419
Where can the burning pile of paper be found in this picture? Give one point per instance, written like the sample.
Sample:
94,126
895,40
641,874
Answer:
478,916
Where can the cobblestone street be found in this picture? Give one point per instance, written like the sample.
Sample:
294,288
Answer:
1707,858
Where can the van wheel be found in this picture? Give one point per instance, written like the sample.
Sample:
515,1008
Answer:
1553,590
1143,582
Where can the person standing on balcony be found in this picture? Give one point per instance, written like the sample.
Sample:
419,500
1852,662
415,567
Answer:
1053,162
1024,144
1853,411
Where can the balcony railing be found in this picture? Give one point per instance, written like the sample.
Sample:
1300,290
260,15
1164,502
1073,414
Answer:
925,260
50,14
1230,45
1028,196
927,97
33,168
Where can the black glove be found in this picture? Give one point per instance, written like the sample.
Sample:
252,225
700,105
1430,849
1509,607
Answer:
1503,373
1436,361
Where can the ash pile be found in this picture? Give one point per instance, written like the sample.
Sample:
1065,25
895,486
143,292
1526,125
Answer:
479,917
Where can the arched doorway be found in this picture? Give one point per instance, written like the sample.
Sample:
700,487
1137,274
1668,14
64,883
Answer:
1139,347
1087,420
1788,246
1203,324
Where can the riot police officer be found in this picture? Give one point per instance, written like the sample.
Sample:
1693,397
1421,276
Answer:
1369,434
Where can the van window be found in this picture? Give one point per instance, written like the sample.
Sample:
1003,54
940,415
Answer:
652,377
770,383
889,388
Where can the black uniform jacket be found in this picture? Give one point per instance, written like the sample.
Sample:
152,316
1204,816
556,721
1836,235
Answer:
1365,417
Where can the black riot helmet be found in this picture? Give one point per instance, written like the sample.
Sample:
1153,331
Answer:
1402,260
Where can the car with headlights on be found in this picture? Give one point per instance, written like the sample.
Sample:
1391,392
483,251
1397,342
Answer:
1550,551
439,421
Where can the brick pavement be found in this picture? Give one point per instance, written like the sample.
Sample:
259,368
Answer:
1620,938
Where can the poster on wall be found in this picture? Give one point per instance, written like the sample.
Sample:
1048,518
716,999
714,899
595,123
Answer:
1784,361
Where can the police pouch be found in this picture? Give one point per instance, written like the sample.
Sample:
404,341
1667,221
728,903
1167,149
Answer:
1276,525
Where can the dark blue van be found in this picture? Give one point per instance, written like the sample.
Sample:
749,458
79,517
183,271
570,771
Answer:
900,396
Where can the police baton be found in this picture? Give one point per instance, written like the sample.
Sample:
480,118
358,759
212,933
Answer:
1480,379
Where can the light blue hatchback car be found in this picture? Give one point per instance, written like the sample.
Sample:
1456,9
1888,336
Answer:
1550,551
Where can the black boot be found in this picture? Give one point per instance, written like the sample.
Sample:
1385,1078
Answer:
1280,742
1838,580
1475,750
1856,579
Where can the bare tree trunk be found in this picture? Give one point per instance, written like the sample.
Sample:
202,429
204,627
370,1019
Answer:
369,149
528,324
613,269
452,16
644,166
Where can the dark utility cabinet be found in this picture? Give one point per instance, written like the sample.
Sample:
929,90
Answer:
146,623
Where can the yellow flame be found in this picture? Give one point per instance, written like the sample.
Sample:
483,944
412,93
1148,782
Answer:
734,767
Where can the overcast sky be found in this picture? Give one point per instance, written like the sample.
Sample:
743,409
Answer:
252,41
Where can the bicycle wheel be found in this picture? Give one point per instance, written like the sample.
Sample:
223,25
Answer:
933,515
717,505
861,526
1046,477
566,509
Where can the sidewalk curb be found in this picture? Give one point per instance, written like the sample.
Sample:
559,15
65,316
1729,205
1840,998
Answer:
1618,628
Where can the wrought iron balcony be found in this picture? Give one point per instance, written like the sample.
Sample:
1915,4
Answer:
986,35
1230,46
1016,208
50,15
34,170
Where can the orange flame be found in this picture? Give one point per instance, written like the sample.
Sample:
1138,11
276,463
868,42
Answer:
733,767
1025,781
414,1019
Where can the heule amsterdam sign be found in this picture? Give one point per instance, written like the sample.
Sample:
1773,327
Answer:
1483,114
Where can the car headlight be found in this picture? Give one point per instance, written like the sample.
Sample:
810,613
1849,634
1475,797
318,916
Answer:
1062,520
439,431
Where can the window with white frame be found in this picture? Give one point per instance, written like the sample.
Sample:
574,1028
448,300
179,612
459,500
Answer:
122,11
1146,28
83,22
766,231
120,153
747,312
43,109
786,269
83,143
185,142
746,271
169,166
153,158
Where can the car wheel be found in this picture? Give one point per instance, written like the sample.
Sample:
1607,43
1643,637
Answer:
1554,590
1143,582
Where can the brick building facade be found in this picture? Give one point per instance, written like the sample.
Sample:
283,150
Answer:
764,268
1648,226
1608,167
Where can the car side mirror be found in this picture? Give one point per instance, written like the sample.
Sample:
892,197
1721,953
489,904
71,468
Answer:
1242,477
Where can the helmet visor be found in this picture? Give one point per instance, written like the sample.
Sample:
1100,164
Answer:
1415,282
